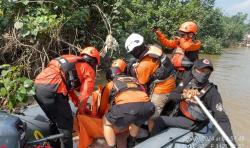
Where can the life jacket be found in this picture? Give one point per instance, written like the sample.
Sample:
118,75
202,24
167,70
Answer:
180,61
192,110
69,73
123,83
164,70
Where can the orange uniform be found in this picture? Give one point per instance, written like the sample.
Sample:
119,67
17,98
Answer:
51,78
121,98
184,48
147,67
186,45
59,81
90,126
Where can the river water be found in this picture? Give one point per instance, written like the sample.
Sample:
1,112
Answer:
232,75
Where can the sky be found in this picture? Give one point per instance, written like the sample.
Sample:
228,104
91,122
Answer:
231,7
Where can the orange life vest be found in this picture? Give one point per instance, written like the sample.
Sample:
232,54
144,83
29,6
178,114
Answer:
67,74
165,69
192,110
123,83
179,60
61,69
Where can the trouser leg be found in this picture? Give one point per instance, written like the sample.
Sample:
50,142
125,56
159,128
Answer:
46,100
164,122
64,119
57,109
159,101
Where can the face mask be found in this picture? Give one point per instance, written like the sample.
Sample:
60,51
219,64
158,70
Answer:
200,77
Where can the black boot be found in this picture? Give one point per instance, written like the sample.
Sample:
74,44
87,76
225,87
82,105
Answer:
131,141
67,139
139,140
52,131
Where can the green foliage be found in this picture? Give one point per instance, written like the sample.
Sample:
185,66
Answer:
234,29
168,15
212,45
14,88
38,20
31,30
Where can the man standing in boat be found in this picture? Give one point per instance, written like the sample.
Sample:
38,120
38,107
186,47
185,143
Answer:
189,113
57,83
186,48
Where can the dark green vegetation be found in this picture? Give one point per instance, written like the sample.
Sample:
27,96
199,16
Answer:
14,88
31,30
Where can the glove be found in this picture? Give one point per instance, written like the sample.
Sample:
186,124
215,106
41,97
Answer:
154,29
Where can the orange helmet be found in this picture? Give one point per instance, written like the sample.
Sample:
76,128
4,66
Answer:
92,52
188,27
120,63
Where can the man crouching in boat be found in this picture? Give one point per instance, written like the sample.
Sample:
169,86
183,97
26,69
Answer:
189,113
129,104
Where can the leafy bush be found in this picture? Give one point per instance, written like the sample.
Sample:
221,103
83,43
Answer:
212,45
14,88
38,20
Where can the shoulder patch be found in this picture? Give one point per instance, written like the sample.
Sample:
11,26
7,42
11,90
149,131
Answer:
219,107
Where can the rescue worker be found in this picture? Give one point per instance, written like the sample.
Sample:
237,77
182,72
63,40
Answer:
186,48
59,81
189,113
153,69
129,104
90,126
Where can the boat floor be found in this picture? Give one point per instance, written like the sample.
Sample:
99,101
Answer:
101,143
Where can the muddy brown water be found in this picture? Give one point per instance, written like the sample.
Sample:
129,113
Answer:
232,76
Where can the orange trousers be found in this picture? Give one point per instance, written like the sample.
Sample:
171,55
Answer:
89,128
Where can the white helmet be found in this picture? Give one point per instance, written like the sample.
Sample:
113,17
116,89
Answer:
134,40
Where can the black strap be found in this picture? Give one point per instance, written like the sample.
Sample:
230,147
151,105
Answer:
70,77
120,86
163,72
205,89
61,70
